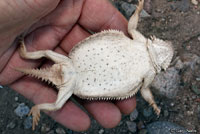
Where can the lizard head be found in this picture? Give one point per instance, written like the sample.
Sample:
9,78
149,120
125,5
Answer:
161,53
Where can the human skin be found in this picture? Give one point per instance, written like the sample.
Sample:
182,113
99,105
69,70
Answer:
57,25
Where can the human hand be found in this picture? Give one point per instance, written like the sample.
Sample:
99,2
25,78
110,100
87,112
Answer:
57,25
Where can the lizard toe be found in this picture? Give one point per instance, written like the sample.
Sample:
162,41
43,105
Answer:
35,112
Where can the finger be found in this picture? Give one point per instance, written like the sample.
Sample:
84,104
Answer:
70,115
74,37
64,16
46,37
4,58
99,15
127,106
42,39
20,15
106,113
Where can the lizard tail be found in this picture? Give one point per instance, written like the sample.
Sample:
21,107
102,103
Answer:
50,75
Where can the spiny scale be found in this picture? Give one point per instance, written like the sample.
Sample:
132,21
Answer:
49,75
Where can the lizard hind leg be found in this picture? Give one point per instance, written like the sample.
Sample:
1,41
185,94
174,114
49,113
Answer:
55,57
64,93
58,74
35,112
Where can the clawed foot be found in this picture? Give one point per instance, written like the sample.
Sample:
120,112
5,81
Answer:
156,109
22,49
35,112
140,5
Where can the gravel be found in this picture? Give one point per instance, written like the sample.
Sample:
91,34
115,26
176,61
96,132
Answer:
134,115
198,38
183,5
60,131
11,125
51,132
45,128
143,131
128,9
147,112
132,126
101,131
28,122
22,110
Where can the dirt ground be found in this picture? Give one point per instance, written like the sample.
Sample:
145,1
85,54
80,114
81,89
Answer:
171,21
175,20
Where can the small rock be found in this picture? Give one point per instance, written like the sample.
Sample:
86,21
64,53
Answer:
130,8
101,131
44,128
143,131
11,125
148,6
140,125
197,79
144,14
198,109
198,38
16,98
22,110
173,7
194,97
190,60
120,123
1,86
195,2
28,122
60,131
195,89
167,83
69,131
131,126
164,127
51,132
147,112
158,10
190,113
134,115
179,65
183,5
166,113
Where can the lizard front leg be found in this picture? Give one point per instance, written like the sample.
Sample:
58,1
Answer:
147,95
146,92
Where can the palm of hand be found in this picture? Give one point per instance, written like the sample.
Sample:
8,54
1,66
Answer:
60,30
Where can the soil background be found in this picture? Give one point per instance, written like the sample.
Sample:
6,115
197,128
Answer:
175,20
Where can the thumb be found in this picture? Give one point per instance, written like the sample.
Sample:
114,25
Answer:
23,13
18,15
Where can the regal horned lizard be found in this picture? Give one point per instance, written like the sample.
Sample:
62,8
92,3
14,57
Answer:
106,65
